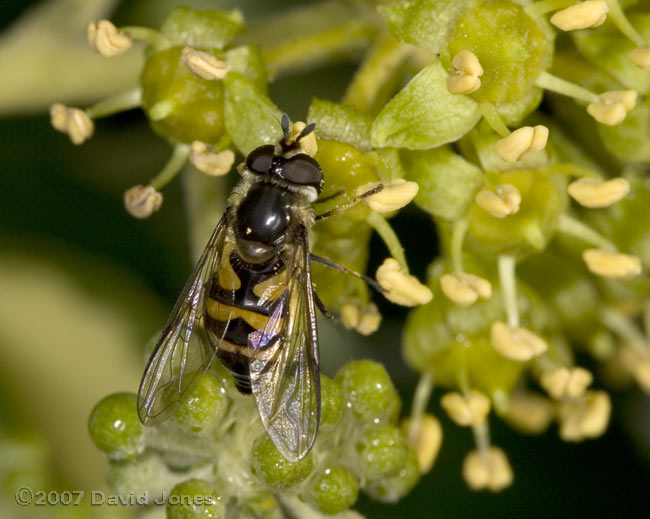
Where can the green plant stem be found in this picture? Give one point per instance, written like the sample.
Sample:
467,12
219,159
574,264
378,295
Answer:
562,86
546,6
574,227
625,328
507,266
372,84
147,35
173,166
387,234
457,240
419,405
617,16
120,102
492,117
205,201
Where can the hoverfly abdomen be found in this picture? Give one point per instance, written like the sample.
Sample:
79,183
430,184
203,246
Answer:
239,305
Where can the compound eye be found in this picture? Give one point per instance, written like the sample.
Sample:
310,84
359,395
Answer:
303,170
260,159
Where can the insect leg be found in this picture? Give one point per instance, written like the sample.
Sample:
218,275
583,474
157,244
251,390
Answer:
321,306
343,268
330,197
345,207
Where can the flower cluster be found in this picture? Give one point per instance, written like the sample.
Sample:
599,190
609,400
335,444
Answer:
215,447
542,220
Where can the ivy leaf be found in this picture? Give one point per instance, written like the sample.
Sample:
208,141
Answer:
424,114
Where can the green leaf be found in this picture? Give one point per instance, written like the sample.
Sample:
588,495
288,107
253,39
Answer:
425,23
251,117
342,123
447,181
424,114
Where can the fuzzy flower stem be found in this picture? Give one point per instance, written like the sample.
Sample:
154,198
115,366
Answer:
574,227
378,71
457,239
387,234
492,117
172,168
625,328
645,316
546,6
619,19
480,432
507,265
147,35
120,102
562,86
419,405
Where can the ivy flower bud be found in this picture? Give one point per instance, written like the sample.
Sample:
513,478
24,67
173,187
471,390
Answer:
426,442
308,142
612,107
612,264
563,383
464,289
594,192
395,195
142,201
641,57
401,288
104,37
488,469
72,121
522,143
529,412
584,417
516,343
500,204
466,410
364,319
204,65
468,71
210,163
584,15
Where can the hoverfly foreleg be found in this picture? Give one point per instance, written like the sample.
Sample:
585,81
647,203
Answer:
341,208
346,270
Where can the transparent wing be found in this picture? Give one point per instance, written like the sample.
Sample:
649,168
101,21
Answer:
285,376
183,352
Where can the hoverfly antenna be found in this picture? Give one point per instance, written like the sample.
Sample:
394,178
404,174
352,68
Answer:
306,131
285,126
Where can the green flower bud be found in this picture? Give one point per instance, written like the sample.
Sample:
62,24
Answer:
115,428
205,29
195,499
274,469
447,181
528,230
381,451
206,404
181,106
331,400
392,489
369,391
333,490
511,47
424,114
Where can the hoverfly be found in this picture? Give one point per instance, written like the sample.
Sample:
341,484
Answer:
250,301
